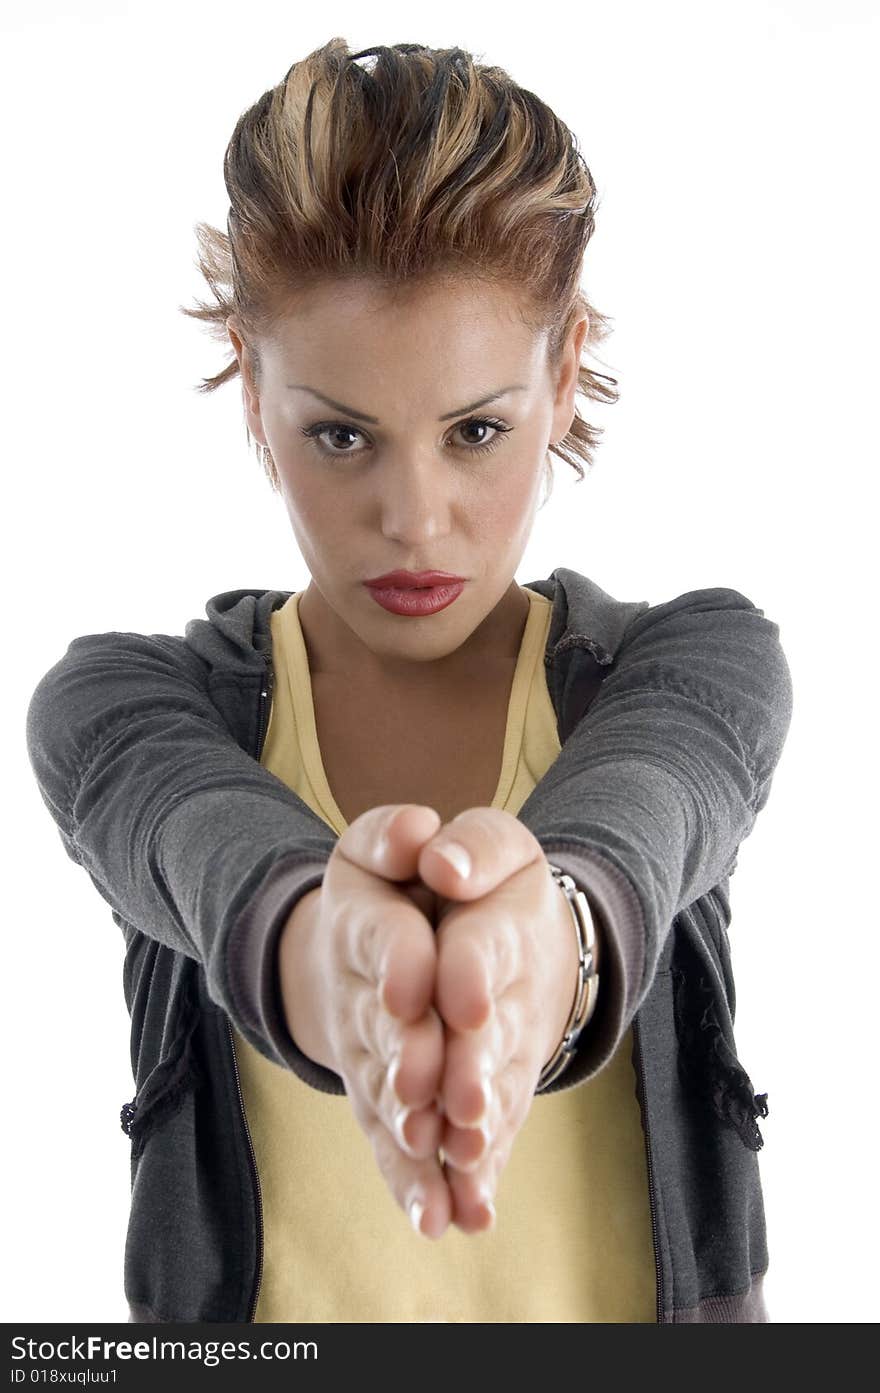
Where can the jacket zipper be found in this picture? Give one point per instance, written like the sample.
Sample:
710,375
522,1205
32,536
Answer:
265,700
256,1180
658,1275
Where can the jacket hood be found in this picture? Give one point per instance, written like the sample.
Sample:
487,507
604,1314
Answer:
236,634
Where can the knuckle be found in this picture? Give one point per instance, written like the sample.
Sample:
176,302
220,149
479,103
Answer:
505,1034
363,1016
503,948
375,931
371,1021
363,1079
370,833
509,1091
367,824
521,1104
364,934
498,1160
482,821
360,1105
484,828
386,1032
373,1074
388,1105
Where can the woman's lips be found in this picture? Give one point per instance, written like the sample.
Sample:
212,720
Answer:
408,580
416,601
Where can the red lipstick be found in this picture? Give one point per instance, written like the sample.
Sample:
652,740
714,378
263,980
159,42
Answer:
415,593
413,580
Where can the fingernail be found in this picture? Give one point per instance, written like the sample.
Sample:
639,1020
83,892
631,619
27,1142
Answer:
486,1088
475,1161
457,856
399,1119
486,1084
394,1070
486,1199
416,1210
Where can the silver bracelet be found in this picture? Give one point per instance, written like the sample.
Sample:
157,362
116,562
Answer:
584,1003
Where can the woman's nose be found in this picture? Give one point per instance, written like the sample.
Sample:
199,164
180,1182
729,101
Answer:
415,501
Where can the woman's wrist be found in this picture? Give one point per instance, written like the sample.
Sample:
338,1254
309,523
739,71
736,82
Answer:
584,954
300,1000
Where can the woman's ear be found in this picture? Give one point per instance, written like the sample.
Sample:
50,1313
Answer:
250,395
579,334
239,347
568,379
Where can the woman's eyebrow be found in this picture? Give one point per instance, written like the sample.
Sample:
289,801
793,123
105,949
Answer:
374,420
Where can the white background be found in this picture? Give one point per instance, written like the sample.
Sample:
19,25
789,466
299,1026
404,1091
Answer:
735,153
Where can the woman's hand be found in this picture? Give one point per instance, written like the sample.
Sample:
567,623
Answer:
507,964
412,1020
357,962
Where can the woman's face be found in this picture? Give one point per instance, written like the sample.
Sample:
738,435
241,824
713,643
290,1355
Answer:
387,472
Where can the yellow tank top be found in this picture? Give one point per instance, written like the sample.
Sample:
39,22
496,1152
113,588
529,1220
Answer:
572,1237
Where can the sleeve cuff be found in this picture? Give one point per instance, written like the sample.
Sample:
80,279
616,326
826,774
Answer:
252,969
252,963
620,926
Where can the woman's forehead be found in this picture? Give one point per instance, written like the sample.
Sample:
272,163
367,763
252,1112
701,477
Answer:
364,298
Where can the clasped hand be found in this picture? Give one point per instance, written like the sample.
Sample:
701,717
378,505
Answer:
443,995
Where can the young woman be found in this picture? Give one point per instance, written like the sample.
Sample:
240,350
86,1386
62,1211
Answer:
405,931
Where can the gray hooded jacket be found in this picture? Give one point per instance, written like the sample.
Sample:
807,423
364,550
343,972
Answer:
671,719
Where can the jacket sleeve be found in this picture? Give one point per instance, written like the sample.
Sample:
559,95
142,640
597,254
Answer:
183,833
198,846
658,784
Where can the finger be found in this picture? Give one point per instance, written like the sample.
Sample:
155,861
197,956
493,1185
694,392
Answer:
472,1193
468,1085
418,1185
479,959
473,1187
465,984
385,941
464,1147
508,1075
494,842
401,1089
419,1131
416,1068
386,840
403,955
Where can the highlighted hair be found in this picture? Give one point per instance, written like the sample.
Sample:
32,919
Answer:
418,167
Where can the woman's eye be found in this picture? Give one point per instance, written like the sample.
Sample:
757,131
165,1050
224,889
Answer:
331,428
480,423
337,429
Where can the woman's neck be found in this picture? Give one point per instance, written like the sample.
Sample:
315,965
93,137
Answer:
334,650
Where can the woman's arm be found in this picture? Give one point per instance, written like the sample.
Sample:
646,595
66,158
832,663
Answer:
199,846
177,825
659,783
